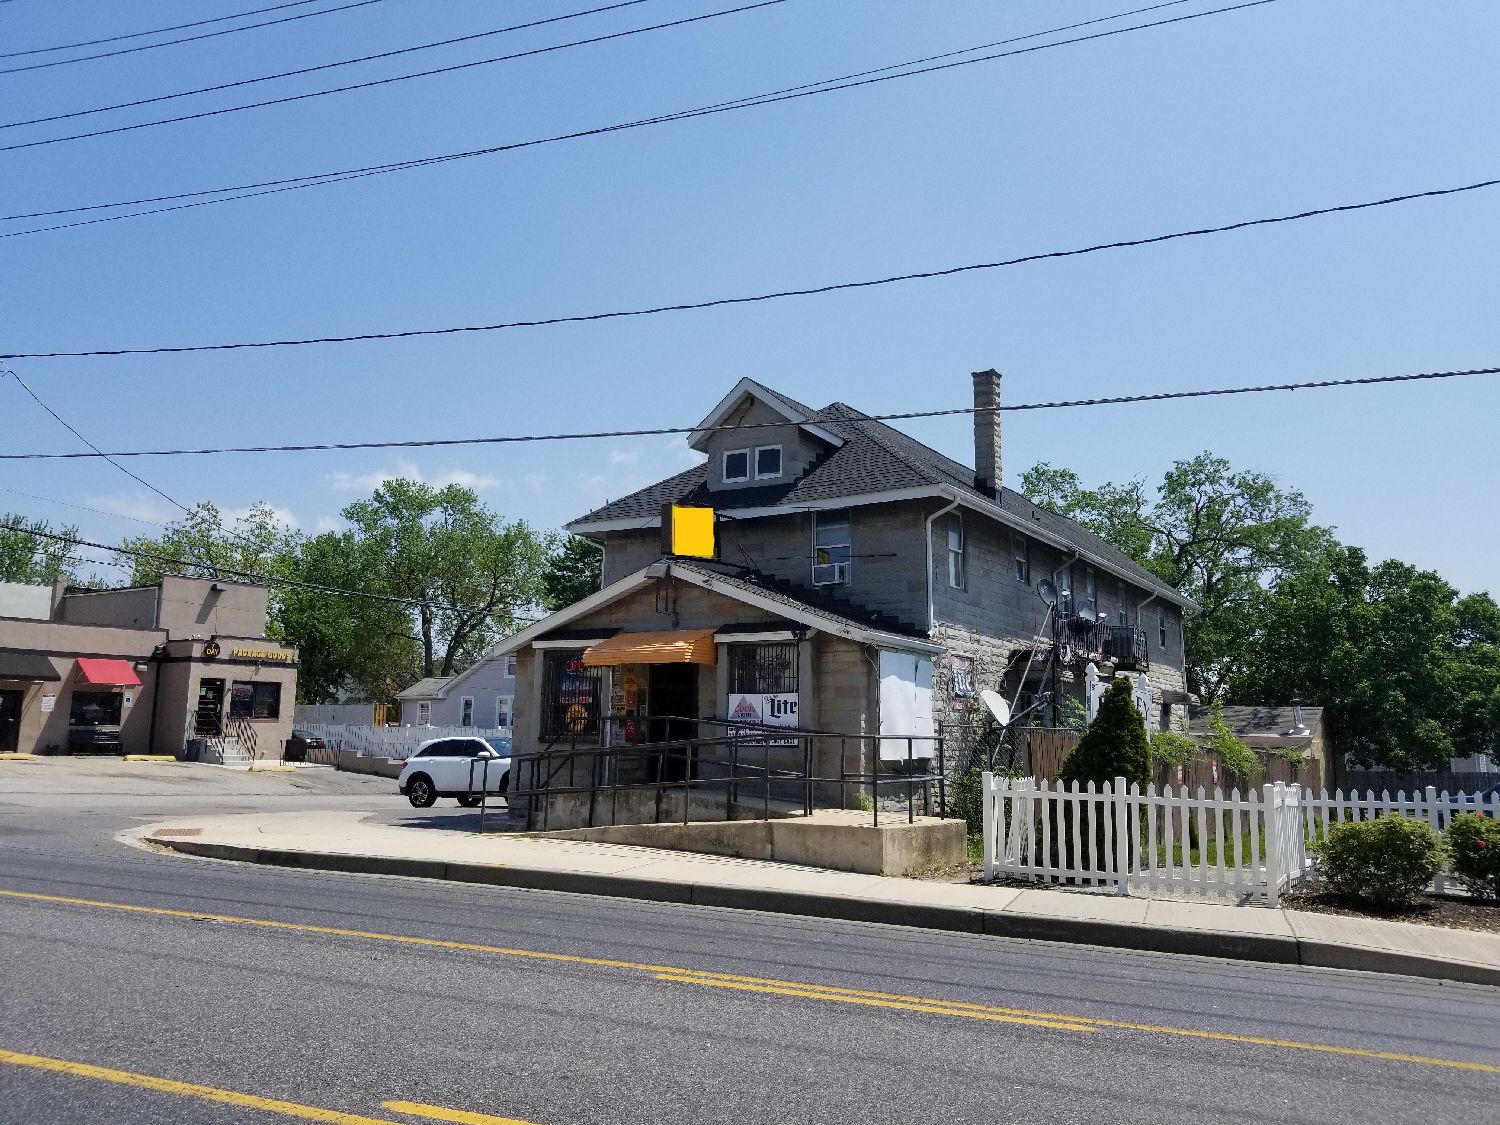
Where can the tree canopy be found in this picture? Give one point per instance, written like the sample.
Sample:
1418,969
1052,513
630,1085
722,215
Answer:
27,557
573,572
1220,535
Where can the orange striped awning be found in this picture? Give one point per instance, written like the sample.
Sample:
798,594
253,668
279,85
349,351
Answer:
683,646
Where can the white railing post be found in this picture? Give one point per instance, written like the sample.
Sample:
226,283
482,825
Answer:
1122,837
1439,881
1270,812
990,828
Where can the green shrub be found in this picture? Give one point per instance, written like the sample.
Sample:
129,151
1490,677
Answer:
966,799
1233,754
1114,746
1387,861
1172,748
1474,841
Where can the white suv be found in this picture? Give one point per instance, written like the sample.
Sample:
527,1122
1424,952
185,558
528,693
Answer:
464,767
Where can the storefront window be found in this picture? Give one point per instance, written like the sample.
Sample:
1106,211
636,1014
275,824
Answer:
763,669
572,695
254,700
95,709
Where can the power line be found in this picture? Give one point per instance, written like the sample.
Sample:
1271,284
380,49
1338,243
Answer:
809,291
189,38
824,86
156,31
658,431
267,579
400,77
82,507
323,66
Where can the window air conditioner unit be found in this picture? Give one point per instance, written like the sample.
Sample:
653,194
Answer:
831,574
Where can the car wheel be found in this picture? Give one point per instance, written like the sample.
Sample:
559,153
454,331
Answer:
469,802
419,791
505,782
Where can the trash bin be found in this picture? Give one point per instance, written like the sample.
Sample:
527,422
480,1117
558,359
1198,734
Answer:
193,751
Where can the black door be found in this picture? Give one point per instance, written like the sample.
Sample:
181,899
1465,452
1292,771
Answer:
10,719
209,719
672,703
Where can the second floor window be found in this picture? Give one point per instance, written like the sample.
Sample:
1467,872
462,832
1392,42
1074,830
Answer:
831,548
767,462
736,465
502,711
1022,550
510,668
1161,626
956,553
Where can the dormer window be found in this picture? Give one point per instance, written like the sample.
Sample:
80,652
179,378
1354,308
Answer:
767,462
736,465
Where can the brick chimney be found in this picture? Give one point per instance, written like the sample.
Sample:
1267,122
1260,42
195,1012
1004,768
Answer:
987,432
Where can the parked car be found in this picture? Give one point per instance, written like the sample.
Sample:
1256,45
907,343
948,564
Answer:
296,747
1486,801
463,767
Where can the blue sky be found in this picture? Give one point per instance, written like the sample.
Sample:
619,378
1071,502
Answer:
1277,108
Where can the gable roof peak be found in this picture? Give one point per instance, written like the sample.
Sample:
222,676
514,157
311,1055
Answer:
789,408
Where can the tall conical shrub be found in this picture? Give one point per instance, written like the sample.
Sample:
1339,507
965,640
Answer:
1115,745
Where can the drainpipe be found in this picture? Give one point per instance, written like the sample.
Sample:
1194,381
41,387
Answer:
932,519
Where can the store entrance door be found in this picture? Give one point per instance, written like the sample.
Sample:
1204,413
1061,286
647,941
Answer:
672,694
10,720
209,721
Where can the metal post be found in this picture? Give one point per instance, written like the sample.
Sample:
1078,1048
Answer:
911,812
942,779
807,782
874,781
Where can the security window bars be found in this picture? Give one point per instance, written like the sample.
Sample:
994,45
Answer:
571,696
763,669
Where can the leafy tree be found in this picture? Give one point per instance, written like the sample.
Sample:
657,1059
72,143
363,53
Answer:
470,577
1115,744
27,557
1219,535
1408,672
347,647
202,544
574,571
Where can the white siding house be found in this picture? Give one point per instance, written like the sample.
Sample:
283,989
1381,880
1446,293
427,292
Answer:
482,696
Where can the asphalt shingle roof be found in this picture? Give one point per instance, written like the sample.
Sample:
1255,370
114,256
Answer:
874,458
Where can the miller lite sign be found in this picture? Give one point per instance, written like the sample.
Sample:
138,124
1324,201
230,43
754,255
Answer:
765,710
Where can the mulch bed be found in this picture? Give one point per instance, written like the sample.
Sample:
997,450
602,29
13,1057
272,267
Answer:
1455,912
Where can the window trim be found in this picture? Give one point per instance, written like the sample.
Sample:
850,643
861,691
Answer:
847,545
724,466
466,708
1161,625
780,462
510,666
424,713
254,686
505,704
958,571
1021,554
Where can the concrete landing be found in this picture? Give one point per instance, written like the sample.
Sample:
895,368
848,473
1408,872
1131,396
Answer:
836,839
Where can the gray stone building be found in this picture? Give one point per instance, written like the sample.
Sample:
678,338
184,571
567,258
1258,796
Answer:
872,582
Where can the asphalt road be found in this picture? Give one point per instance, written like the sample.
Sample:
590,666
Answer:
229,999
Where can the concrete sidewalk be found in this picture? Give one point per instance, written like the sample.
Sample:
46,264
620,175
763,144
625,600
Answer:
358,842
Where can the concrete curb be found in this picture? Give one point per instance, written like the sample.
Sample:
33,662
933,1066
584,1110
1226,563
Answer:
1266,948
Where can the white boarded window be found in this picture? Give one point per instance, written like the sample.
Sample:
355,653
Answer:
905,705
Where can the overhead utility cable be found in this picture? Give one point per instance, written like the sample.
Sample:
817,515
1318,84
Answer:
189,38
826,86
1069,404
402,77
154,31
323,66
719,302
267,579
736,103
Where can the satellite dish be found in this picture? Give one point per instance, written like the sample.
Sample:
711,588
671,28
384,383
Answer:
995,704
1047,591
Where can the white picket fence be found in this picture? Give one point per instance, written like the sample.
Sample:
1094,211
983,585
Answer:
1250,846
392,742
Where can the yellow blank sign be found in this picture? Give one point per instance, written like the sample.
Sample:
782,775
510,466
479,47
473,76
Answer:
691,532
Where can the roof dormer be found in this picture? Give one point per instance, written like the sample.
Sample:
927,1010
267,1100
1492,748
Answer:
757,438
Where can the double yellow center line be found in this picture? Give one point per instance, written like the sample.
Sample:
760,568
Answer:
801,990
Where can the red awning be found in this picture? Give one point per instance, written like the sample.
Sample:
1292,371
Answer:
108,673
